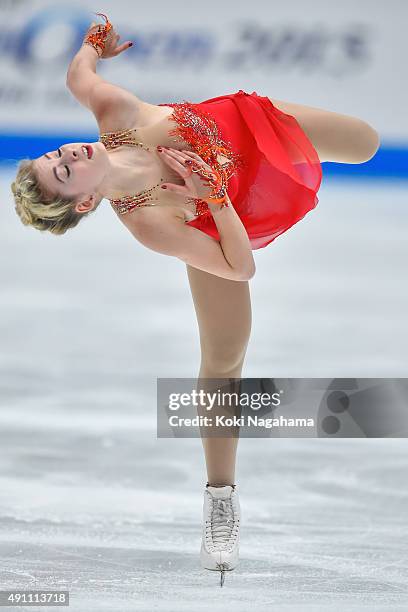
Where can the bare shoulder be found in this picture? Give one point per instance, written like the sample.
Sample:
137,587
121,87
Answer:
159,228
116,108
162,229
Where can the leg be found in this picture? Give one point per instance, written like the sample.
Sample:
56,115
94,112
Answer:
223,309
336,137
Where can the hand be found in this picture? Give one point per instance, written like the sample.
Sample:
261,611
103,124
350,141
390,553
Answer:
195,186
112,49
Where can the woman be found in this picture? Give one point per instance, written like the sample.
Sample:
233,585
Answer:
205,182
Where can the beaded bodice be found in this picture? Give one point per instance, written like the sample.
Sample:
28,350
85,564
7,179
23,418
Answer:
193,126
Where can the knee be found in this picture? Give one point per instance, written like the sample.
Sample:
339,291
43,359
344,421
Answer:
367,143
224,358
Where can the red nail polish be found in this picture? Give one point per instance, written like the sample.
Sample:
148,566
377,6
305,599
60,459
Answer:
163,187
159,148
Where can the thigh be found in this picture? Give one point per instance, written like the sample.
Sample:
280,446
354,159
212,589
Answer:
223,310
336,137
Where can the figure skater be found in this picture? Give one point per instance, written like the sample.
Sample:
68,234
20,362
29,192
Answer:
205,182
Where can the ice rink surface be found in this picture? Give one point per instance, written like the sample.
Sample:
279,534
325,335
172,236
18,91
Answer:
93,502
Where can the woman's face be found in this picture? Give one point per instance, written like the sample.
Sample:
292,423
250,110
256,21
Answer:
74,170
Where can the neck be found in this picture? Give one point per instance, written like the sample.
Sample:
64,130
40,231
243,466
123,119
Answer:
126,172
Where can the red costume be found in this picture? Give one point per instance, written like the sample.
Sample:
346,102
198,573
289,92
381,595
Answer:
277,183
270,169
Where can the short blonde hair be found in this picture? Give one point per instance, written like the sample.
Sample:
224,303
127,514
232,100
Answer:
55,215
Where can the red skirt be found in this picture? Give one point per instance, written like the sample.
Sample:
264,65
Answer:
278,183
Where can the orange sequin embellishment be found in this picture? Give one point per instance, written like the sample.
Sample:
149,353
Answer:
97,40
200,130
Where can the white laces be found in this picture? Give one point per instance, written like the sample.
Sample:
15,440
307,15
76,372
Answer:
222,523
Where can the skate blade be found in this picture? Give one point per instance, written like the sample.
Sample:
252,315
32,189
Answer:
214,569
222,571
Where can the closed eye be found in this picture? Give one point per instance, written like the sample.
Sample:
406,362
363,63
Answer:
66,167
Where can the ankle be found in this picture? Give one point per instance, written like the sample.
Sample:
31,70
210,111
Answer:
218,485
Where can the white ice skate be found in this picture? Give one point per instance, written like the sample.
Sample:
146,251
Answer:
220,542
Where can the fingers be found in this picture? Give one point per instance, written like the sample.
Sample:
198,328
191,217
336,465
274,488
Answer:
112,40
94,26
173,152
179,168
175,160
181,189
185,159
192,154
194,157
123,47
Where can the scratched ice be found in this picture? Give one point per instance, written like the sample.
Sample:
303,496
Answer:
93,502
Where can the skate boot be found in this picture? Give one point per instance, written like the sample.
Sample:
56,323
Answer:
220,541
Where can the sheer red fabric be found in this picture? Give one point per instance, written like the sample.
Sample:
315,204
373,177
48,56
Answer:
278,184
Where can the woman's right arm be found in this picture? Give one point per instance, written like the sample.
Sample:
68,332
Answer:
230,258
90,89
